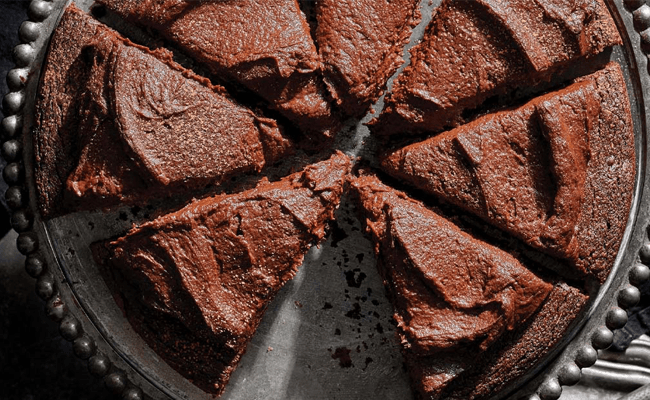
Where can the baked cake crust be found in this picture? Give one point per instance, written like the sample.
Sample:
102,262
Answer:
361,43
466,375
264,45
109,133
211,269
533,170
473,50
520,350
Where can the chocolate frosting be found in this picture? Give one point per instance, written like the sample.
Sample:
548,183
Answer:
522,169
535,170
449,288
146,128
361,43
216,264
183,130
263,44
473,50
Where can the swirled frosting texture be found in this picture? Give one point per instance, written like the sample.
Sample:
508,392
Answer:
130,124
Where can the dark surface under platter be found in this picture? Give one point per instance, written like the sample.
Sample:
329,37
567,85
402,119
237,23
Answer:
344,310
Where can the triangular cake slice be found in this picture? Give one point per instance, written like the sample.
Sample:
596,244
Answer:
264,45
197,281
456,298
119,124
473,50
448,287
537,170
361,44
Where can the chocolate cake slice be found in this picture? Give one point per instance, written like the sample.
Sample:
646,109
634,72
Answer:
361,44
462,305
466,375
264,45
119,124
537,170
197,281
473,50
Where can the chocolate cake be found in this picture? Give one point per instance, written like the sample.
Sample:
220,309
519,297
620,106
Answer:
264,45
473,50
466,375
361,44
212,268
119,124
533,170
465,252
456,296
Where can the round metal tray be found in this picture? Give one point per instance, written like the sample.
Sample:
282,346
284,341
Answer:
328,334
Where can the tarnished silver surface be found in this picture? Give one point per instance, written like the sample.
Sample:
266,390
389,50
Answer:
328,334
616,375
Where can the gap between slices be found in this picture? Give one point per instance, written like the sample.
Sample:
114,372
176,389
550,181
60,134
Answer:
473,50
361,44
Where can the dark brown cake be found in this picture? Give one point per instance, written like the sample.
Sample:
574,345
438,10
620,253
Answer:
466,375
263,44
520,350
473,50
459,302
118,124
361,44
209,270
533,170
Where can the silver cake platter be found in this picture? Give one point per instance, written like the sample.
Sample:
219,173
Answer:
329,333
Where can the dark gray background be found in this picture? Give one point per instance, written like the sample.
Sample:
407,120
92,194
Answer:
35,362
11,15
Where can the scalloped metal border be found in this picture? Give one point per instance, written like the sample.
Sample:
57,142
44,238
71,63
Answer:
70,327
22,218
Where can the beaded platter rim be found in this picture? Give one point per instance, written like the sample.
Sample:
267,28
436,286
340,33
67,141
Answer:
619,293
